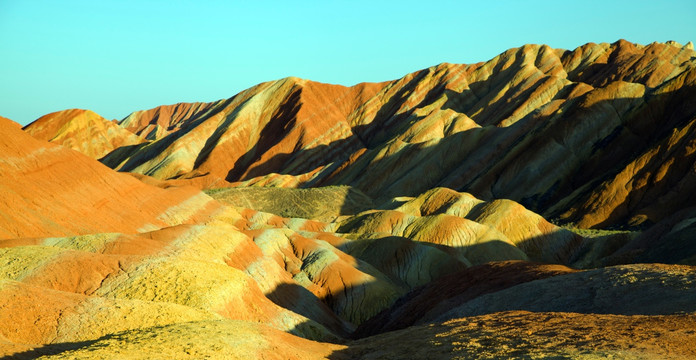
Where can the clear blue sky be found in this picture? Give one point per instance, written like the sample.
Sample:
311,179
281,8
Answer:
115,57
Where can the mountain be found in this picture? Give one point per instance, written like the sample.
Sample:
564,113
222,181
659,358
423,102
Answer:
600,136
8,122
49,190
514,208
82,130
89,253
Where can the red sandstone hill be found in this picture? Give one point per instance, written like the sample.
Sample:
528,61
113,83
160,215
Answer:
48,190
82,130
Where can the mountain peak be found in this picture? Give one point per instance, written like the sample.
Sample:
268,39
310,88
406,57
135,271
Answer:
82,130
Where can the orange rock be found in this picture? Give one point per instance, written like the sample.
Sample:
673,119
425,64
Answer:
49,190
82,130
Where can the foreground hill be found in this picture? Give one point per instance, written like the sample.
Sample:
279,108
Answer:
538,335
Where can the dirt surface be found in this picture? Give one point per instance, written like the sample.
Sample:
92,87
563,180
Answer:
212,339
525,335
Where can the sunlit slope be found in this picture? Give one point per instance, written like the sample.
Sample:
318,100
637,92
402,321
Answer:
48,190
82,130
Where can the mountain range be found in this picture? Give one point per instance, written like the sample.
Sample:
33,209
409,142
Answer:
539,204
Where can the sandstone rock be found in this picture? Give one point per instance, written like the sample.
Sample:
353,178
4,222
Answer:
9,122
49,190
82,130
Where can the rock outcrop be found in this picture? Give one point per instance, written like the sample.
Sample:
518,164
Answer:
49,190
84,131
479,231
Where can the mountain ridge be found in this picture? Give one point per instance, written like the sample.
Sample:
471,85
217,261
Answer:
299,133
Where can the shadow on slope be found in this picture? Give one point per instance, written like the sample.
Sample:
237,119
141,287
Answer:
548,162
272,133
457,287
449,290
288,296
130,160
551,163
398,265
670,241
48,349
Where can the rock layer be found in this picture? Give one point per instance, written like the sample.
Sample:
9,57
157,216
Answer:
49,190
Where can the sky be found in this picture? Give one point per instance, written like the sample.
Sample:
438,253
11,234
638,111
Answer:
116,57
